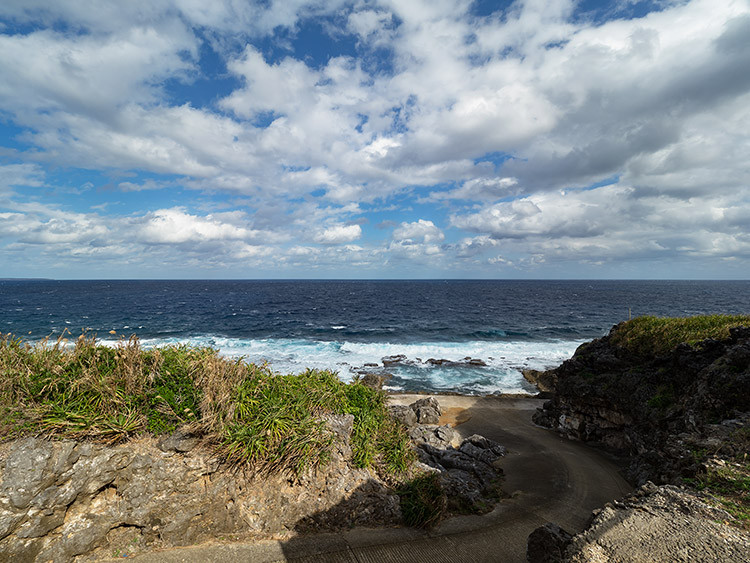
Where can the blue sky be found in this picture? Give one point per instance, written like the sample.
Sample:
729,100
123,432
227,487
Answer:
375,139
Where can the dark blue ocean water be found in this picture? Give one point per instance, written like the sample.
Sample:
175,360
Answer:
343,325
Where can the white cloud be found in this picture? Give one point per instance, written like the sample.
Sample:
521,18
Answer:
339,234
20,175
419,231
658,105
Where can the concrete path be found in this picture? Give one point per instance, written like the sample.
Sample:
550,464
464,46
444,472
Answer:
548,478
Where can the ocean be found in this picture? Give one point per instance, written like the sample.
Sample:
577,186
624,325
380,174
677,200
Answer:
471,337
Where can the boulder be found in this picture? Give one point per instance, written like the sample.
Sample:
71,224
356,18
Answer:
547,544
435,436
374,380
403,414
427,410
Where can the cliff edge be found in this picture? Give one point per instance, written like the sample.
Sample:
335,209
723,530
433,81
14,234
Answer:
677,409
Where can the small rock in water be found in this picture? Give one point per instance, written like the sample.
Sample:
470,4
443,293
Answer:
393,360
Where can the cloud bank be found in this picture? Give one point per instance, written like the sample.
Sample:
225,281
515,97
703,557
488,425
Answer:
375,139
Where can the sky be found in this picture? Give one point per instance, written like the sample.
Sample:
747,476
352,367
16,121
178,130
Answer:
375,139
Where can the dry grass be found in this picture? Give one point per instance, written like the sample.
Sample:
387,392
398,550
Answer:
248,414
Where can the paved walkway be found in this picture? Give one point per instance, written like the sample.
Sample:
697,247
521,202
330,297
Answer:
547,477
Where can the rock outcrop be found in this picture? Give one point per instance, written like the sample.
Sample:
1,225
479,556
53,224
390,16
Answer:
67,500
468,469
653,524
63,499
655,410
677,416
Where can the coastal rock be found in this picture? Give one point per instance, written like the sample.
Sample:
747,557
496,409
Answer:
545,381
393,360
547,544
433,435
60,500
427,415
374,380
403,414
655,410
485,444
467,361
427,410
659,524
469,474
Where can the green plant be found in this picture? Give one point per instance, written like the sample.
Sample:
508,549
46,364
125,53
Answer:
658,335
663,398
247,414
729,483
423,501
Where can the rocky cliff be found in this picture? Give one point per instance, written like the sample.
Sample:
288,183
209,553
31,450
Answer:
664,412
679,416
62,499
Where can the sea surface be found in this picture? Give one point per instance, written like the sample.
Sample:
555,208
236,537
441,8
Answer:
351,326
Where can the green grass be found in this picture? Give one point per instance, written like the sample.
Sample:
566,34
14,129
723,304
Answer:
730,486
244,412
659,335
423,501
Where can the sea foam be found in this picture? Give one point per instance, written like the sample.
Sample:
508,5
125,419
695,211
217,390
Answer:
502,373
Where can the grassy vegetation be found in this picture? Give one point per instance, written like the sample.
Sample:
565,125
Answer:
423,501
730,485
658,335
249,415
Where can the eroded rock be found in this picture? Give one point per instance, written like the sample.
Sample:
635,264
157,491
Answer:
61,500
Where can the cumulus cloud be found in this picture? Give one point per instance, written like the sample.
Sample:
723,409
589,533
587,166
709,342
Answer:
511,122
419,231
339,234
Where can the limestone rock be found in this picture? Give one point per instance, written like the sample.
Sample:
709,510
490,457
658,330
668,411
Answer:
178,441
659,524
427,410
61,500
403,414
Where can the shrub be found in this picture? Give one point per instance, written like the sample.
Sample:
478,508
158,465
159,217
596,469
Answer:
423,501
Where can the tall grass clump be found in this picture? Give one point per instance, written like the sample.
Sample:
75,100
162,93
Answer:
659,335
246,413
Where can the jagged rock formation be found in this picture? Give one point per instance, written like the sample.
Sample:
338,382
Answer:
468,470
67,500
653,524
674,416
655,410
62,499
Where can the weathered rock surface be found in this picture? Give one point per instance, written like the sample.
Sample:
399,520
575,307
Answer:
61,500
664,413
654,409
468,471
547,544
653,524
404,414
